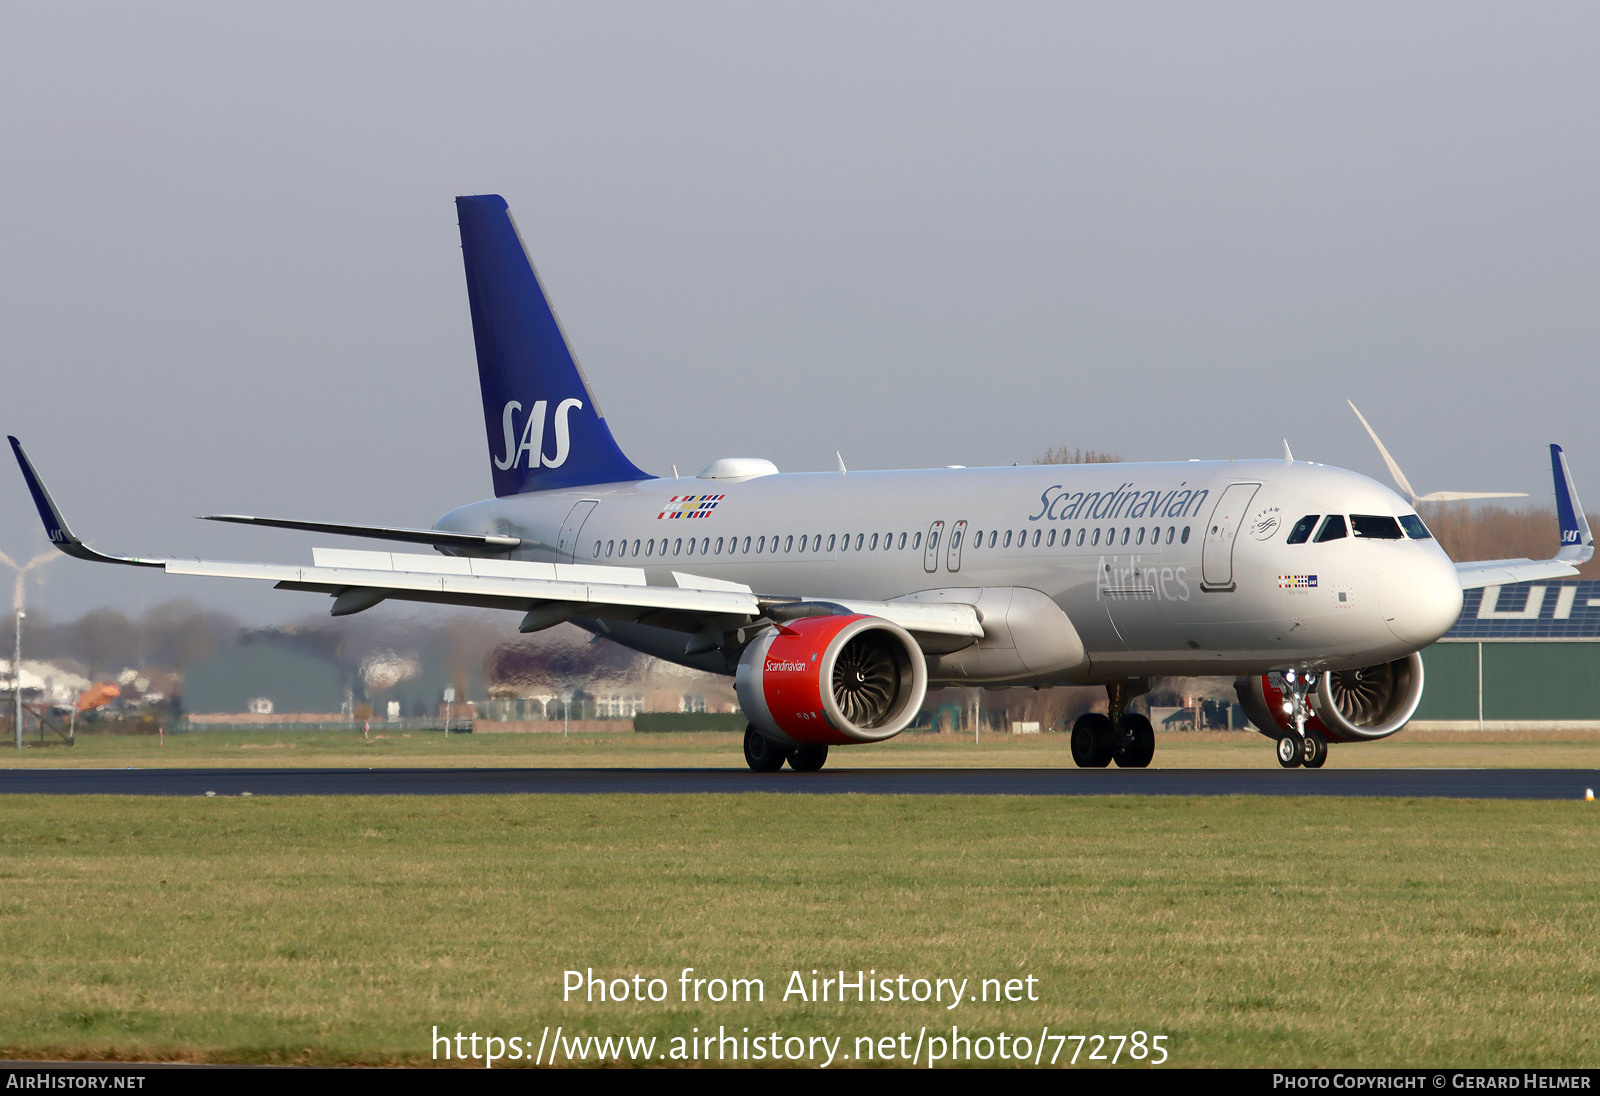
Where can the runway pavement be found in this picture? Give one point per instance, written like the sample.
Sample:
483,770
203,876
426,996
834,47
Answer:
1391,783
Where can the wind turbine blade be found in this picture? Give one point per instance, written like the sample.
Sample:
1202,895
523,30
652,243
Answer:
1456,496
7,560
1394,469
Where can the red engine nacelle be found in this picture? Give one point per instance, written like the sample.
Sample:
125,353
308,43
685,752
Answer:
1347,705
832,680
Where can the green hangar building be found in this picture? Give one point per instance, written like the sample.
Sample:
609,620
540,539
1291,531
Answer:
1520,657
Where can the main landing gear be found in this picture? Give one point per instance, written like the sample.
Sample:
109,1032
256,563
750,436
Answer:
1120,735
763,755
1300,745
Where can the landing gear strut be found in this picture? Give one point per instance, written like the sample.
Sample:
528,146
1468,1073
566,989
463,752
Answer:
1300,746
1120,735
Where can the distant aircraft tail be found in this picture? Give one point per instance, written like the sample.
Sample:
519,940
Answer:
545,429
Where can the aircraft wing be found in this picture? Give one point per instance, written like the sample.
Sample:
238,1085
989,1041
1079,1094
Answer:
1577,542
548,593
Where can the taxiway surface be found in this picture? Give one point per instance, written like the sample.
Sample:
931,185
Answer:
1385,783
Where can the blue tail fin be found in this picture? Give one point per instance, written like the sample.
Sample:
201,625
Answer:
544,427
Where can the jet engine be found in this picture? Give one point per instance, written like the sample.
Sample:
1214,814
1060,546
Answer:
832,680
1349,705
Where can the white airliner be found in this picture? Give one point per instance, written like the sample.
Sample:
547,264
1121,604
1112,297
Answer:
837,599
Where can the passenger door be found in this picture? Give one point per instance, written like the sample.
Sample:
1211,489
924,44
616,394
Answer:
1216,557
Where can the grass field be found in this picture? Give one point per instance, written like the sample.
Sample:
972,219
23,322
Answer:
1247,931
1242,750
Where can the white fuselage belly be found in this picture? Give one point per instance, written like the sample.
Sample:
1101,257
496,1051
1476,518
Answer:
1105,543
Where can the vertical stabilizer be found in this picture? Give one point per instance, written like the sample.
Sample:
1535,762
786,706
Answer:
544,427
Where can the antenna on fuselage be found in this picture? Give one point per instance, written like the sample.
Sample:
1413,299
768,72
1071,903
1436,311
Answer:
1288,457
1405,484
840,459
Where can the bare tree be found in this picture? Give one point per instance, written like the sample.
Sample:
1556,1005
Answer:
1062,455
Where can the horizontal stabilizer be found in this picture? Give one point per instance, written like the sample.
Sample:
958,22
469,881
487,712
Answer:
439,538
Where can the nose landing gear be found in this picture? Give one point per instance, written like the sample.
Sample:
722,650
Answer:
1300,746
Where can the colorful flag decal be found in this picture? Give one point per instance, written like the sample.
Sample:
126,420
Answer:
690,506
1297,582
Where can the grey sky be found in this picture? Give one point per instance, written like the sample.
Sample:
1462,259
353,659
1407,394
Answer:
921,234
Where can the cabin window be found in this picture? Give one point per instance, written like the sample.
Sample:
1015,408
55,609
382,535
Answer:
788,543
1008,539
677,547
761,545
597,549
830,541
1081,533
874,545
635,547
1171,532
705,545
1375,527
1414,527
859,538
747,546
719,546
610,547
902,542
1036,535
1140,538
916,540
1302,529
1125,532
1333,528
1185,538
1050,541
649,547
1096,538
816,543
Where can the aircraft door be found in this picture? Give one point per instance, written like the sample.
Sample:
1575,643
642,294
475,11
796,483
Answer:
957,534
567,549
1216,558
930,551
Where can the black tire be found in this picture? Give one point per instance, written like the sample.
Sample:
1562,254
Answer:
1140,744
1314,751
1092,743
761,753
808,759
1289,751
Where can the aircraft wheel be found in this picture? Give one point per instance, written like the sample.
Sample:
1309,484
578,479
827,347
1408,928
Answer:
1289,751
807,759
761,753
1137,752
1092,744
1314,750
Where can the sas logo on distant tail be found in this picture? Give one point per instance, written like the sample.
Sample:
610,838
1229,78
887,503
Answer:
532,433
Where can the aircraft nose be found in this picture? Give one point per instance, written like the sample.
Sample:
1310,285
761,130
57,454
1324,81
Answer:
1420,598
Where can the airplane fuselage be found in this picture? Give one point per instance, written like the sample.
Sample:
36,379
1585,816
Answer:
1169,568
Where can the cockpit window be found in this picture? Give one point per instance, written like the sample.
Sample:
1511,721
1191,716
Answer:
1375,526
1414,527
1302,529
1333,528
